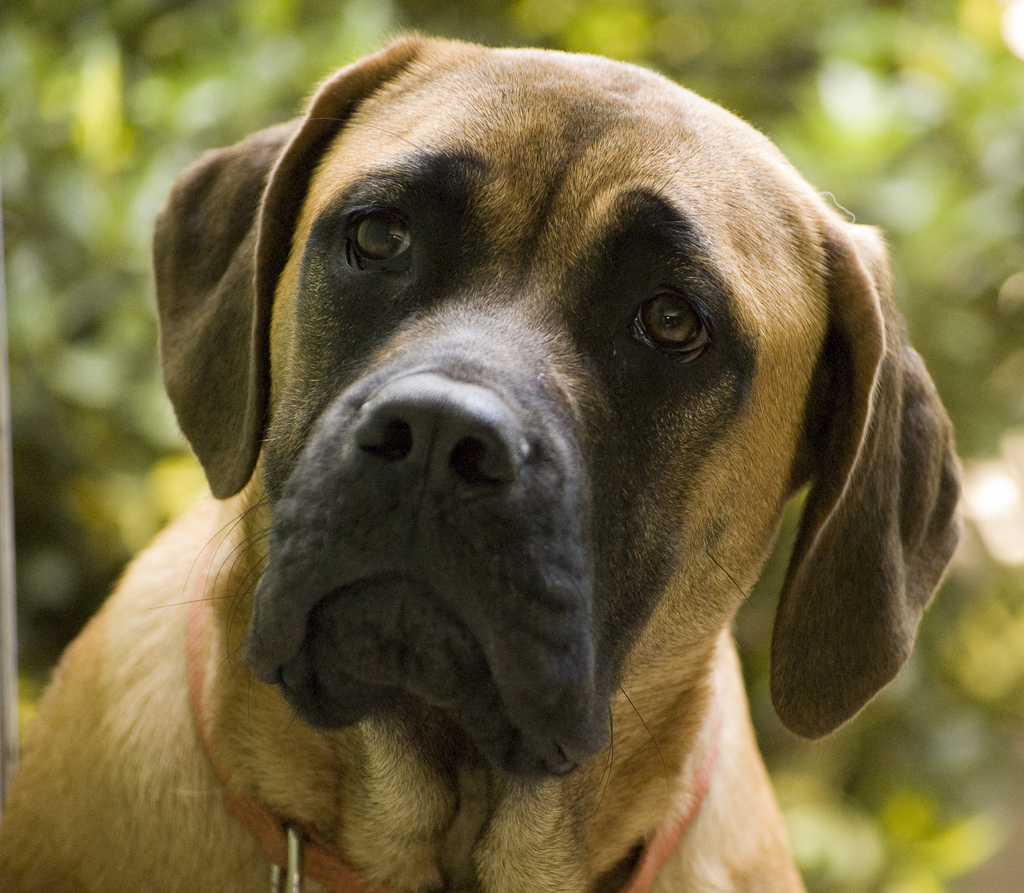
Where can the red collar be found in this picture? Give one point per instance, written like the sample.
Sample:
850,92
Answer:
322,863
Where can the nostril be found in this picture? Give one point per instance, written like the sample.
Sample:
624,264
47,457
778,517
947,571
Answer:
476,464
389,439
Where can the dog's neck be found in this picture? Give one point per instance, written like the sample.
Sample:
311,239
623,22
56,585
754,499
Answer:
610,826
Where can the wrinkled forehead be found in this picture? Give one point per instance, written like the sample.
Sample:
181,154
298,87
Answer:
552,147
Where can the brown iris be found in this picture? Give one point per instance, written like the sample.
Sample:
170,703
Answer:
669,322
378,241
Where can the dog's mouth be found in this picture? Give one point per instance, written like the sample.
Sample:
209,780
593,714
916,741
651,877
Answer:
381,636
387,646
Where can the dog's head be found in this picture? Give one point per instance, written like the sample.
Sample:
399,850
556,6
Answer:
528,352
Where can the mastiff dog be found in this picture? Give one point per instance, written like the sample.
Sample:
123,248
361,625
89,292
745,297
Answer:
502,366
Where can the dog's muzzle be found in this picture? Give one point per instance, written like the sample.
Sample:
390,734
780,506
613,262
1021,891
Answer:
428,550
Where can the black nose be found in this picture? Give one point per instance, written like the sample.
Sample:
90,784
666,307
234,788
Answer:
455,434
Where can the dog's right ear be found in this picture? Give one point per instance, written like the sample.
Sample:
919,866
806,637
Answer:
221,241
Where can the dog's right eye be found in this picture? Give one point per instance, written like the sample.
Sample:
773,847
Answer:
379,240
670,323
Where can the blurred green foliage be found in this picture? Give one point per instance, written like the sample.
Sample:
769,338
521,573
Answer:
909,112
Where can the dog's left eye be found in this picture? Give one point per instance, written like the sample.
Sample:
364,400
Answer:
379,240
668,321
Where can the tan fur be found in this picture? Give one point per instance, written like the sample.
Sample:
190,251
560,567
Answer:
115,792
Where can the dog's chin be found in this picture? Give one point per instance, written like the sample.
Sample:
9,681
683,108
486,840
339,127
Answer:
385,648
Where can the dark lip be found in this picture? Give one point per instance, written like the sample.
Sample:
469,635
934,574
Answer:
387,626
380,635
338,679
270,667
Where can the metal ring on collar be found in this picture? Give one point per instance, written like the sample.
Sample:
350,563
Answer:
289,879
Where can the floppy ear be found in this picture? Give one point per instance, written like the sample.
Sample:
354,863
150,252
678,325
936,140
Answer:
221,241
880,523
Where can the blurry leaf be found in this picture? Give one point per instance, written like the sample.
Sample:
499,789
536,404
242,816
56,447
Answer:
1011,297
176,482
982,20
835,847
909,815
543,18
963,846
987,652
919,880
680,36
99,127
29,692
619,30
87,376
857,102
272,16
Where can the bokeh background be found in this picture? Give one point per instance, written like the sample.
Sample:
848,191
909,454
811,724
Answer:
910,113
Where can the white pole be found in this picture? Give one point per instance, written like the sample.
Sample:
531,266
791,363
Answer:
8,623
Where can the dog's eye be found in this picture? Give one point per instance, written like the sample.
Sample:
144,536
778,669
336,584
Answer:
668,322
379,240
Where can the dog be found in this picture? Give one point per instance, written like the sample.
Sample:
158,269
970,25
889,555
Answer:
502,366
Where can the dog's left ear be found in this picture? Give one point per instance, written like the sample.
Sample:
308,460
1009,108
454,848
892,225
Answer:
880,522
221,241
